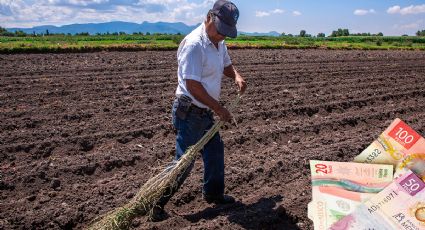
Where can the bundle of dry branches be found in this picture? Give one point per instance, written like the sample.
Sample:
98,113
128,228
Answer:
155,188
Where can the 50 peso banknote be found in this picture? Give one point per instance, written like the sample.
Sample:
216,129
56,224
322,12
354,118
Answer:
398,145
339,187
401,205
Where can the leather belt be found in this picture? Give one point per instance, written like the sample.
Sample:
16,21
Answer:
195,109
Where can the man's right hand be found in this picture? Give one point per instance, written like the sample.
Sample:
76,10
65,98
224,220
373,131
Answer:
224,114
198,91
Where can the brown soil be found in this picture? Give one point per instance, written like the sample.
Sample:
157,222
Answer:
80,133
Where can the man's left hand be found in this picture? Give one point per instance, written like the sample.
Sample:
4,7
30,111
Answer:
240,82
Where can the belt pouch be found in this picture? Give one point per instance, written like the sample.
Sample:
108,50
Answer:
183,105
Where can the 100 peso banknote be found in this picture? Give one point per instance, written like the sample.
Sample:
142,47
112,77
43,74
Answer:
398,145
339,187
401,205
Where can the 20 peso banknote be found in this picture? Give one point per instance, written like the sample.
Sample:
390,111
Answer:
398,145
401,205
339,187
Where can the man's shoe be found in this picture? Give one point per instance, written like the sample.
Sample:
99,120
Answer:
222,199
157,214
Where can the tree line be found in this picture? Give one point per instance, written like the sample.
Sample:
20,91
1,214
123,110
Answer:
20,33
344,32
336,33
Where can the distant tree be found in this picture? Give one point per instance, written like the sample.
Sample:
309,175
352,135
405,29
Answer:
404,35
380,34
290,35
283,34
5,32
147,33
82,34
20,33
115,33
2,30
340,32
302,33
420,33
122,33
321,35
8,34
47,32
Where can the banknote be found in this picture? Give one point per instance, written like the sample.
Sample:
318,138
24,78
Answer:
339,187
398,145
401,205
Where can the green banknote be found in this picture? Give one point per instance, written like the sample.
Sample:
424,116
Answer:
339,187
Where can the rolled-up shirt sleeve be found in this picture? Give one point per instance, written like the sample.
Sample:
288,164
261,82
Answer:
190,62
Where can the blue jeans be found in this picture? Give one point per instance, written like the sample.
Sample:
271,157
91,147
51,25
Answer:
189,131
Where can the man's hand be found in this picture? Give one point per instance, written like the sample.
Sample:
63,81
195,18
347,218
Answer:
224,114
240,82
198,91
231,72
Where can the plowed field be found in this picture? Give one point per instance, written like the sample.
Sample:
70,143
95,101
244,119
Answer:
80,133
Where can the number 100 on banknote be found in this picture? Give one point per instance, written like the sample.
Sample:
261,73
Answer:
398,145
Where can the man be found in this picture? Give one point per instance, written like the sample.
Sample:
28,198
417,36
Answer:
202,61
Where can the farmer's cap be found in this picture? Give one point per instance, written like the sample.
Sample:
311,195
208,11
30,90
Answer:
226,16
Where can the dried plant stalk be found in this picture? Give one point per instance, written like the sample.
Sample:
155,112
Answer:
156,187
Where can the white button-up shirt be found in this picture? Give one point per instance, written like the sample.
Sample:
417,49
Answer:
199,60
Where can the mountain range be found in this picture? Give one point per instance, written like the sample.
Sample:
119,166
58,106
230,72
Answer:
119,26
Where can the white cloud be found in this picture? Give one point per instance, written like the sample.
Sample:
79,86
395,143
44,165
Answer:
393,10
77,2
361,12
20,13
407,10
296,13
260,14
86,2
277,11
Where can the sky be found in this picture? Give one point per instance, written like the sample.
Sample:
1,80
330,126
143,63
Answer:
391,17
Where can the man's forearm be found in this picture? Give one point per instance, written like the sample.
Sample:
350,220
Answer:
230,72
198,91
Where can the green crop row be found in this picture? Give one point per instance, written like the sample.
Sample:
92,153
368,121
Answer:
65,43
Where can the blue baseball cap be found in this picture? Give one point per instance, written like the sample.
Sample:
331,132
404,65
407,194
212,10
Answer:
226,16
